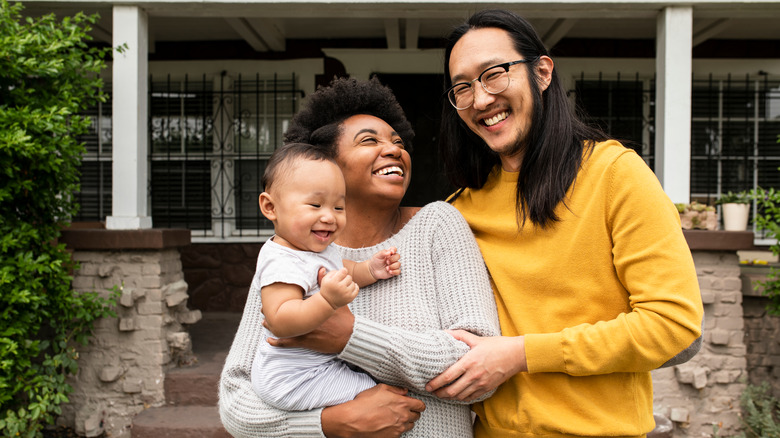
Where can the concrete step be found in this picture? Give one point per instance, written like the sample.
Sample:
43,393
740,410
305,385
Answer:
191,391
179,422
196,385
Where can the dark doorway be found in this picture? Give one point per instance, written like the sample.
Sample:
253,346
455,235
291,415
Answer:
420,97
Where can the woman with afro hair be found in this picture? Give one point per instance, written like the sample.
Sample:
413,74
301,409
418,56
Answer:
395,330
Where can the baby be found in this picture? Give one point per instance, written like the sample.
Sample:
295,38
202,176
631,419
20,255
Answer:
304,197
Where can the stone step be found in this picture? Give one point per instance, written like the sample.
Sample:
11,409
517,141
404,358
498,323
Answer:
179,422
197,384
191,391
191,387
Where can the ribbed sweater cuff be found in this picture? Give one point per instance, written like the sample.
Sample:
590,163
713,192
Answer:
544,353
304,424
369,341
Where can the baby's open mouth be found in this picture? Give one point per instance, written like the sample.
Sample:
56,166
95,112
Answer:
323,234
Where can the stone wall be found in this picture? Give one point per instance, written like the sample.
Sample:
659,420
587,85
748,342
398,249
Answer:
219,274
696,396
122,369
705,391
762,333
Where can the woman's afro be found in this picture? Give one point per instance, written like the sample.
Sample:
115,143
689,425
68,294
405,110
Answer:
342,99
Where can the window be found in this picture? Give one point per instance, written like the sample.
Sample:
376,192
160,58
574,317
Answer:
94,198
734,128
622,108
734,132
210,140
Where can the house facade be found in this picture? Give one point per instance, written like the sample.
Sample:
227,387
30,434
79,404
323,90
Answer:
203,91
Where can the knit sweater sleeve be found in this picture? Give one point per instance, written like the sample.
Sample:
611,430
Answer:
241,410
464,300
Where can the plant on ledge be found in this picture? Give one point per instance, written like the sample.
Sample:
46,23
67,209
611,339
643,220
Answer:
735,210
743,197
695,216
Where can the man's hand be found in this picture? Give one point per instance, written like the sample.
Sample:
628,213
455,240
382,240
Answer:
490,362
381,412
330,337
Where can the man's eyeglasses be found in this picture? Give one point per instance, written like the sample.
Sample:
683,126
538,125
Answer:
494,80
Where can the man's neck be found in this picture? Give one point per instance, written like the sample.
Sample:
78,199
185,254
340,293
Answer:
511,163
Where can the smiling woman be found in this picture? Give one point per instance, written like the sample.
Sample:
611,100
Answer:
397,333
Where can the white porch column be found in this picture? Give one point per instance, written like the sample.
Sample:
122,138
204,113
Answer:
129,124
673,101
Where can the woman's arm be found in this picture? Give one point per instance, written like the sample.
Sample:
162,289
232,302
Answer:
463,298
382,411
407,358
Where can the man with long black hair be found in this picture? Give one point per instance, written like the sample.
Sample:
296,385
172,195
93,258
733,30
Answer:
594,280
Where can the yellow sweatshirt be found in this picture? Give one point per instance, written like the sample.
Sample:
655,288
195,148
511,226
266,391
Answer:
602,297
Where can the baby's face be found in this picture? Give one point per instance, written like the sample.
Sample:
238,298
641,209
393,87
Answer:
309,203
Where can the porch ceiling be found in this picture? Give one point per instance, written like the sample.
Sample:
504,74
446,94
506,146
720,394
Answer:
267,25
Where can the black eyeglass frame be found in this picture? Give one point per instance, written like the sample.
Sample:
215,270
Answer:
504,65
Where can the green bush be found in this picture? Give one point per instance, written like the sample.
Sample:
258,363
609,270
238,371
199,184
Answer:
48,75
759,413
768,219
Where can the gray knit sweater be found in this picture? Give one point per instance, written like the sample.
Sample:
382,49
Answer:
398,334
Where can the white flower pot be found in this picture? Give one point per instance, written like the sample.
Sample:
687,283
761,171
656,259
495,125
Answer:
735,216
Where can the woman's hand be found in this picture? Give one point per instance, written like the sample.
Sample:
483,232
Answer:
490,362
382,412
330,337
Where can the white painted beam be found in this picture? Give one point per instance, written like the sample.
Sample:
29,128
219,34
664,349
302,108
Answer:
710,31
393,33
269,31
243,28
130,111
557,31
673,101
412,36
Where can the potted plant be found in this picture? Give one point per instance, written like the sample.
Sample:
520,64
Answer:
735,208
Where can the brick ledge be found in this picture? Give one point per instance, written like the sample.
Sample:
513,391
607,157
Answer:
102,239
707,240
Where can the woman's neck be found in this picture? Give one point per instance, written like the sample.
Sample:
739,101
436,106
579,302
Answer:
368,227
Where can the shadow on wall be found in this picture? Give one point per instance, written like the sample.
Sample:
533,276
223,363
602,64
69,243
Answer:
219,274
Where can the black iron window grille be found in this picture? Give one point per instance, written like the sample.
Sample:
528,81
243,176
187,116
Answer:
622,107
735,125
94,196
210,141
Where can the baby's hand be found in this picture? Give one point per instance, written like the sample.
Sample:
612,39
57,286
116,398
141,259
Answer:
385,264
338,288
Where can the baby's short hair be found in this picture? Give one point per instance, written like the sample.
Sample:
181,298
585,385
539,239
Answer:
283,158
